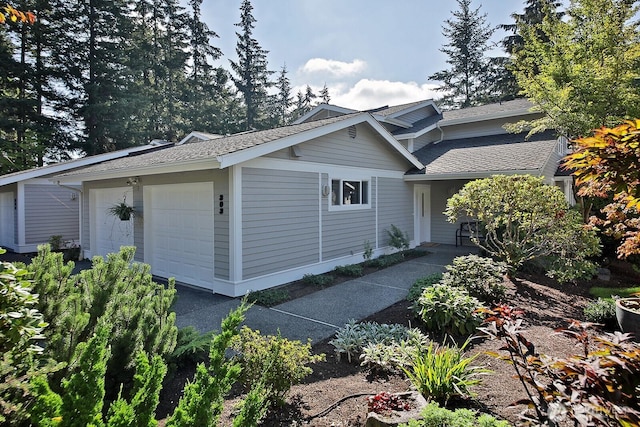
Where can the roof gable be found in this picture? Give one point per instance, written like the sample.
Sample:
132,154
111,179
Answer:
234,149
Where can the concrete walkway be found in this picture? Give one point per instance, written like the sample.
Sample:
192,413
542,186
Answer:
318,315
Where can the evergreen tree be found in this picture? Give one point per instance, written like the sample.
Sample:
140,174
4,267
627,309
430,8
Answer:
324,95
468,35
251,72
283,98
581,69
533,14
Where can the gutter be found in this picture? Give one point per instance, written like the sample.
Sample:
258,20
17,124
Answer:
77,190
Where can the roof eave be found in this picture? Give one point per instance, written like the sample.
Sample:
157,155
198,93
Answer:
500,115
417,134
186,166
468,175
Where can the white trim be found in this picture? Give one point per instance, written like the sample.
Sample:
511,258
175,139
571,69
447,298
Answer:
377,209
320,196
242,156
349,207
241,287
418,190
468,175
481,118
187,166
72,164
20,213
203,136
417,134
301,166
235,223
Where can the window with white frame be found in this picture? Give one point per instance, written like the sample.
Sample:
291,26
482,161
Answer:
350,192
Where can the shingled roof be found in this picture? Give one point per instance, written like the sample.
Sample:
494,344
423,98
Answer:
506,108
483,155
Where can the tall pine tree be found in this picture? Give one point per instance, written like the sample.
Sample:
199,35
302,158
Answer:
468,35
251,70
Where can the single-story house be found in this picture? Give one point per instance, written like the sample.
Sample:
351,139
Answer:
33,207
257,209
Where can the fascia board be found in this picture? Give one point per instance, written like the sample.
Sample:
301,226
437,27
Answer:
147,170
322,107
470,175
279,144
72,164
500,115
428,103
392,121
416,134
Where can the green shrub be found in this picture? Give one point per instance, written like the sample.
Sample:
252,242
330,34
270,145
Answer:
397,239
392,356
268,297
277,361
441,372
602,310
116,291
21,324
319,280
435,416
445,308
368,251
384,261
191,346
353,337
351,270
481,277
418,286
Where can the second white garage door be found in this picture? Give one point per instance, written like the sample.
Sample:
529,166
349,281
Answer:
178,232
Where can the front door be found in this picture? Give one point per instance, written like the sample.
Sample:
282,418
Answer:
422,213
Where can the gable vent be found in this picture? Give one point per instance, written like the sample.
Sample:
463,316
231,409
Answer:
352,131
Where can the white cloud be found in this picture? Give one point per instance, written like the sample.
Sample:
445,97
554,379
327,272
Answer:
332,67
366,94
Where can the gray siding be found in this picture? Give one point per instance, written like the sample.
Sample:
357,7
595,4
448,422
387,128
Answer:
415,116
280,217
345,232
50,210
441,230
395,207
221,221
365,150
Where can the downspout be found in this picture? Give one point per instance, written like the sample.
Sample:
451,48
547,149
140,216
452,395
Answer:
441,133
78,190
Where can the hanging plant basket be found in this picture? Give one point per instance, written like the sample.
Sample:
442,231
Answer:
122,211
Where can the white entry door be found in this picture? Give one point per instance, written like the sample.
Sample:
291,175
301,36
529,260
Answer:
7,221
423,213
178,232
109,232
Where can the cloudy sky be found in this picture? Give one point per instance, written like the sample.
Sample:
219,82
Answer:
369,53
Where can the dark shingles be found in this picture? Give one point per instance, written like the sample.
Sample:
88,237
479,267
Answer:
496,153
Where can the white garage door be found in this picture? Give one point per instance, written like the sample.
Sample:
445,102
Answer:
6,221
178,232
109,232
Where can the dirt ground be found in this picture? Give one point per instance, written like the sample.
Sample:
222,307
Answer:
335,394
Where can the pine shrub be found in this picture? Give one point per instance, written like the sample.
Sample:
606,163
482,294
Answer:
481,277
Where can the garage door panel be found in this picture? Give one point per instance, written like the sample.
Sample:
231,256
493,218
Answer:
179,237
